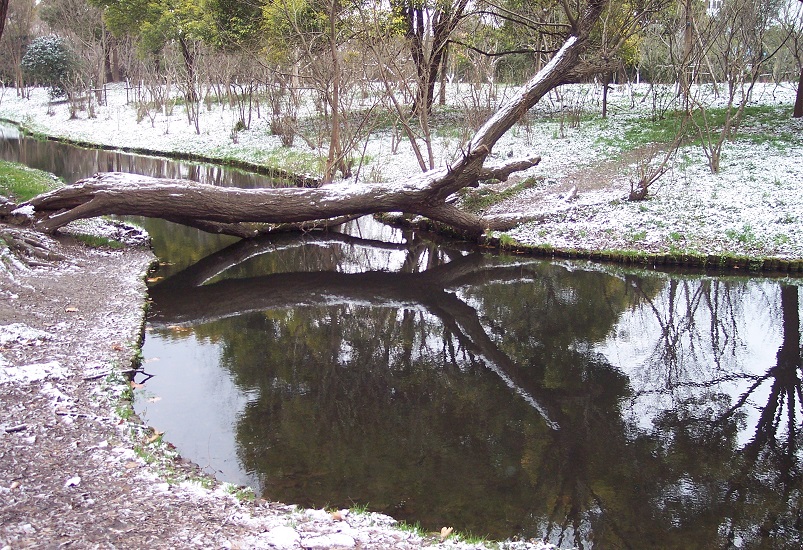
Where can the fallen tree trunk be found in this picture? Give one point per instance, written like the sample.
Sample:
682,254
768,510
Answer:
227,209
235,211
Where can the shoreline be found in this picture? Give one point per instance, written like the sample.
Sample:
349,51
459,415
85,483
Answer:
708,261
746,217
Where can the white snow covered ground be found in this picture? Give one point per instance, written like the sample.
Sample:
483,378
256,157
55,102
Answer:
752,207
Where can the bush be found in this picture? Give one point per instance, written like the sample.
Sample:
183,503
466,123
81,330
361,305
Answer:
49,61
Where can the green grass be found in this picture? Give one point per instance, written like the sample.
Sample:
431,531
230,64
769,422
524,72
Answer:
240,492
95,241
745,236
413,528
284,158
477,200
756,121
359,509
21,183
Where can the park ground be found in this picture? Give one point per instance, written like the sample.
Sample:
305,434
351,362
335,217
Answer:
78,468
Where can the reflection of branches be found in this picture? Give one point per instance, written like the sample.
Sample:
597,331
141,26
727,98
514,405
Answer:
184,298
786,392
787,389
462,320
678,323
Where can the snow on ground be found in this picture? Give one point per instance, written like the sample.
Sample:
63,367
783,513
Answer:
752,207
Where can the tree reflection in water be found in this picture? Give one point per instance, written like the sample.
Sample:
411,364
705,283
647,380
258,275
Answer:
450,387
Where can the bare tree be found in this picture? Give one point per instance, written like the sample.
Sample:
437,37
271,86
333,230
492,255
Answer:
17,34
427,30
733,44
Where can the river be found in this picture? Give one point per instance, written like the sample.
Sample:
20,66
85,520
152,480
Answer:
586,405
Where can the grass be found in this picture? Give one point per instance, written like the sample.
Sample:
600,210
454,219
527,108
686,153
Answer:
412,528
240,492
285,158
745,236
642,131
21,183
359,509
477,200
95,241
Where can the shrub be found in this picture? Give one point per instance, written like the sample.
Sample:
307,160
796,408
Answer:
49,61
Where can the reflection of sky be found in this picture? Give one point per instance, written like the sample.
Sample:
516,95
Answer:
368,228
723,354
8,132
194,402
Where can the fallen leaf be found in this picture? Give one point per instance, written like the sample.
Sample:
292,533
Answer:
155,279
445,532
117,347
338,515
71,309
131,465
14,485
156,435
136,385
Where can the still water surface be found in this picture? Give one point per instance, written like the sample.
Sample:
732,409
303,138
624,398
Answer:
590,406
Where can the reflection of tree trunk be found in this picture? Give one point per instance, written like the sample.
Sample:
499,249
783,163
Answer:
218,262
786,387
174,303
462,320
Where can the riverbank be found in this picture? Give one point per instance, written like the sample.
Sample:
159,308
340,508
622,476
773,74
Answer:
78,468
746,216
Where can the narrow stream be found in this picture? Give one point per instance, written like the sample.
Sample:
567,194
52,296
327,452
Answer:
588,406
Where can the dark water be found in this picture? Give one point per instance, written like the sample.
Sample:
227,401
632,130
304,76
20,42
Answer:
73,163
584,405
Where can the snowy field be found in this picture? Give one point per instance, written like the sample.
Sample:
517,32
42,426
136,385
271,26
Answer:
753,206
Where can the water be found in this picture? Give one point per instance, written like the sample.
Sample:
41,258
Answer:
72,163
586,405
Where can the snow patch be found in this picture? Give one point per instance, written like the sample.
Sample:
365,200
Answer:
32,373
282,537
26,211
20,333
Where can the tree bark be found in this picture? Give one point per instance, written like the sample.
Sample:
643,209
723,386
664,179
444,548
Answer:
231,210
3,13
798,112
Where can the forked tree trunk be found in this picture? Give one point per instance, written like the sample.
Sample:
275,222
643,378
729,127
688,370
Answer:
234,211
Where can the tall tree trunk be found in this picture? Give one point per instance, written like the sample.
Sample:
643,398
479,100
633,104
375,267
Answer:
3,14
334,157
189,65
430,61
798,112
